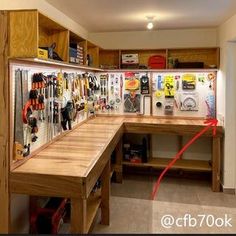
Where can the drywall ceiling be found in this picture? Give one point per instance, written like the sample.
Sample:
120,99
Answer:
130,15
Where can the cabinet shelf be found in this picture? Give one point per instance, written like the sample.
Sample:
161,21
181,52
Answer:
191,165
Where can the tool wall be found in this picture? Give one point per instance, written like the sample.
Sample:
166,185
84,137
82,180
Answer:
180,94
46,102
184,94
123,93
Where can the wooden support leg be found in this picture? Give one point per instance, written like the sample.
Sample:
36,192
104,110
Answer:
105,203
216,151
4,127
118,165
78,216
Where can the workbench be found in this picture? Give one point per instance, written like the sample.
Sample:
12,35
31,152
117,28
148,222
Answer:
70,166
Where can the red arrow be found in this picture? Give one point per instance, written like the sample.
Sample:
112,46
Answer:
210,123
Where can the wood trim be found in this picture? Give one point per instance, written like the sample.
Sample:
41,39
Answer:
53,63
229,191
151,117
4,126
141,128
46,185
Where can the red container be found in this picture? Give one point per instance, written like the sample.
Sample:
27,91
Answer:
48,219
157,62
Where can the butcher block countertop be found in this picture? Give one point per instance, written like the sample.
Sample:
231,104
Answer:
82,152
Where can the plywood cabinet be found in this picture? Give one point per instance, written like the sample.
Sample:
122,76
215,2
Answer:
109,59
93,54
207,57
30,30
52,33
23,33
180,58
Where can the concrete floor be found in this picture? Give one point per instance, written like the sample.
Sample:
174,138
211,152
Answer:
133,212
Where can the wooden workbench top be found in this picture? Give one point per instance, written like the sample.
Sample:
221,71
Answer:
82,153
75,153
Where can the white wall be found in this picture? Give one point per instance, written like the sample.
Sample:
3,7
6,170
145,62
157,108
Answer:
156,39
227,88
48,10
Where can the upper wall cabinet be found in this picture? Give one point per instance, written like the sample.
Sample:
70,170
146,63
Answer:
34,35
54,36
109,59
31,31
92,55
207,58
181,58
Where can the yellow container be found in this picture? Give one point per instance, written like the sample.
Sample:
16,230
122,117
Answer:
42,53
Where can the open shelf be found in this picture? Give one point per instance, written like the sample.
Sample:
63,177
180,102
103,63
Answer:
208,56
49,33
79,42
192,165
93,53
109,59
30,29
144,55
93,203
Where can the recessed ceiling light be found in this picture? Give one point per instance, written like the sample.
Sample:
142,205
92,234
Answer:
150,22
150,25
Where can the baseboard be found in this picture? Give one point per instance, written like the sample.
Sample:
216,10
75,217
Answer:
229,191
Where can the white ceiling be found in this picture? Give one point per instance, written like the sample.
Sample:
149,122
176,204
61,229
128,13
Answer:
130,15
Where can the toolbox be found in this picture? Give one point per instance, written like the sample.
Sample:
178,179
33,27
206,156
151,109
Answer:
48,219
42,53
157,62
130,59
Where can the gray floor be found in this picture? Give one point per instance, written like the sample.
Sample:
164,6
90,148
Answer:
133,212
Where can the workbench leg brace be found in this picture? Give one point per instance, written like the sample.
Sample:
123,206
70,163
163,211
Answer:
79,206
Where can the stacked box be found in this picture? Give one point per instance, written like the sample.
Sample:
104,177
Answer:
80,54
76,54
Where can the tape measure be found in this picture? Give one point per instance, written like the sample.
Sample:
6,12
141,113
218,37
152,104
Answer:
158,94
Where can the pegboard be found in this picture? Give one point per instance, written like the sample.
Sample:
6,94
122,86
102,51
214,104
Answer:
188,99
116,94
46,131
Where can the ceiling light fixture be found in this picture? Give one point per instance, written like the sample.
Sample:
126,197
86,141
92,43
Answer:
150,22
150,25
